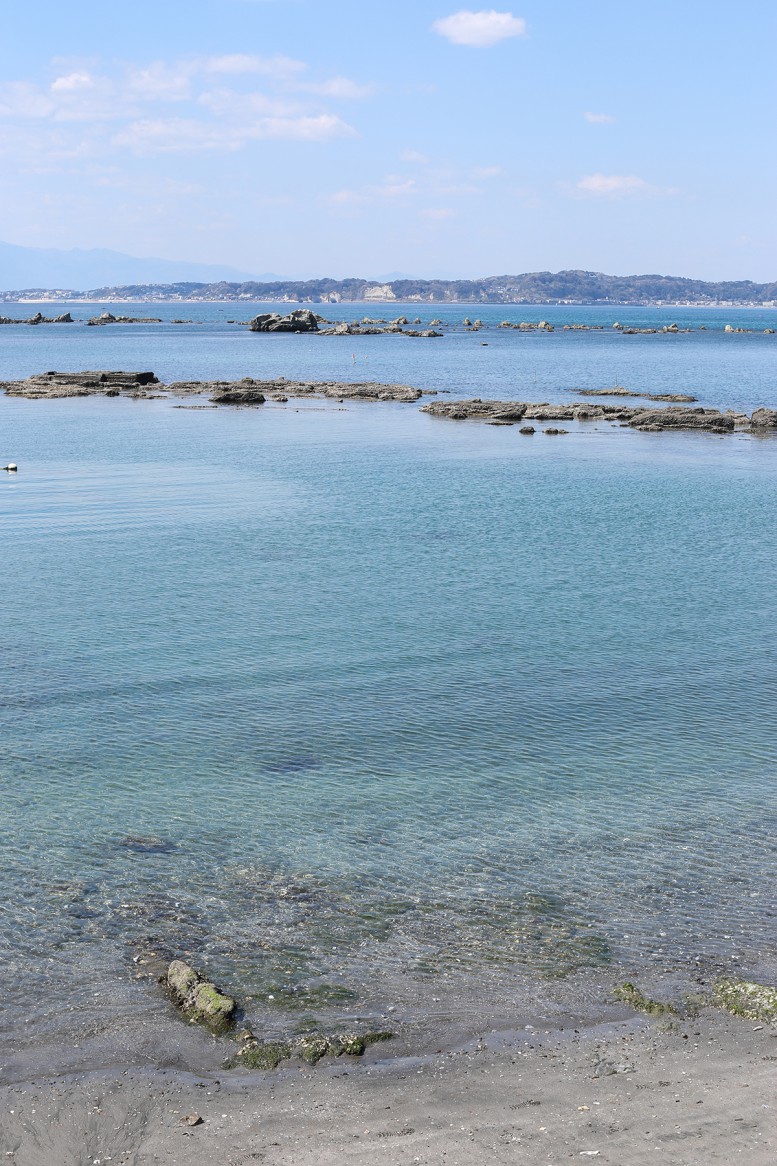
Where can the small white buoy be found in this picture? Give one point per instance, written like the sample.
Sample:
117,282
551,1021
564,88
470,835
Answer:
11,467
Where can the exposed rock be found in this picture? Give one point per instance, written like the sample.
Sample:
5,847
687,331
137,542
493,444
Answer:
245,392
79,384
764,419
485,410
745,998
310,1048
679,418
199,999
527,430
38,318
302,320
619,391
556,431
109,318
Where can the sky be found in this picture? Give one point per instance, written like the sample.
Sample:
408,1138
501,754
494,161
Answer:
422,137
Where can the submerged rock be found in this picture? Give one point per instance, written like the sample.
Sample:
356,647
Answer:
630,994
199,999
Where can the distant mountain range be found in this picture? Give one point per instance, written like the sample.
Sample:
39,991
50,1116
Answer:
543,287
79,270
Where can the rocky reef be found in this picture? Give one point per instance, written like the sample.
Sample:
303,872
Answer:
251,392
620,391
637,417
255,392
39,318
109,318
81,384
244,392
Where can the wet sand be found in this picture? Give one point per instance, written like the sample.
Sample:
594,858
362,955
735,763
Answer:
623,1094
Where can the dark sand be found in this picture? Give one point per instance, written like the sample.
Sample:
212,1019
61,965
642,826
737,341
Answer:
622,1094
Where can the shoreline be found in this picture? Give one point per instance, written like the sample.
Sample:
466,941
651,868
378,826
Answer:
621,1093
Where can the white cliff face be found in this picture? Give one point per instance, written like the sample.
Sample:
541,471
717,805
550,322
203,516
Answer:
383,292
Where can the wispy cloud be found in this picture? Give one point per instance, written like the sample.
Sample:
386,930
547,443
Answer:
178,134
479,29
214,108
620,186
602,119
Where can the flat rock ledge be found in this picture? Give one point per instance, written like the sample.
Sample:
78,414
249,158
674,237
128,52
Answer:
243,392
637,417
248,391
81,384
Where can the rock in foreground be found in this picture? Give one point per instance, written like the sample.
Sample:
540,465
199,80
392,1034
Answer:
199,999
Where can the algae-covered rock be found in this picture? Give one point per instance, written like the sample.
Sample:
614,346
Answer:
310,1048
747,999
264,1056
198,998
313,1048
630,994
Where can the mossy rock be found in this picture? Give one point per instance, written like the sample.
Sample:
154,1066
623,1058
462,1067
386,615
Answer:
746,998
630,994
199,999
310,1048
264,1056
313,1048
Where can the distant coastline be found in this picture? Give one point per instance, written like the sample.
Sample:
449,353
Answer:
565,288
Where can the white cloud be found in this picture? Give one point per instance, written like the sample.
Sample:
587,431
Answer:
613,185
173,135
603,119
340,88
487,171
73,111
279,67
415,157
480,29
438,213
620,186
72,82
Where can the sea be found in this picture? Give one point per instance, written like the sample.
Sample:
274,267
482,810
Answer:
376,718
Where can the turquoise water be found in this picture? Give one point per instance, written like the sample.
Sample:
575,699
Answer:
366,709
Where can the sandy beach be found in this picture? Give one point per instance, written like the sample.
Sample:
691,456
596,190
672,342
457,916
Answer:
623,1094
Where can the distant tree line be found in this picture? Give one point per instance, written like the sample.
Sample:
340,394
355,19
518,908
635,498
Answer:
540,287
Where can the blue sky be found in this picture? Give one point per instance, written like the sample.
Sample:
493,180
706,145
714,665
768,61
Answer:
425,137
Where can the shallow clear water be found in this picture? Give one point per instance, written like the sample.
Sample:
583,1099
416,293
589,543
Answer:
362,707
